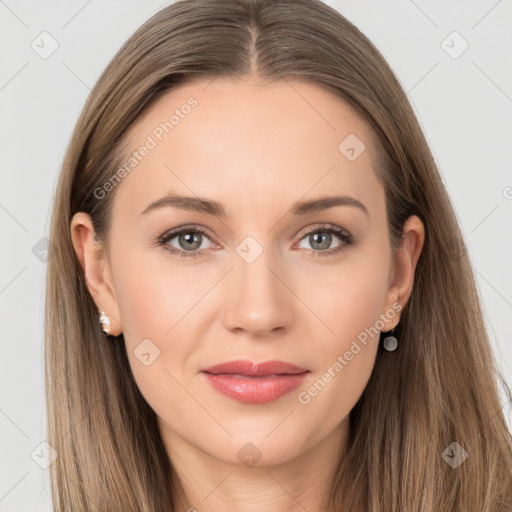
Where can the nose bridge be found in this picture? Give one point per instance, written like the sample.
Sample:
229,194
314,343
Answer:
259,302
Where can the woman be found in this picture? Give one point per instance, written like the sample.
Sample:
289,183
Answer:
259,296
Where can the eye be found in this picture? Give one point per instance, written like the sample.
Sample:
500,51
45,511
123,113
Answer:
321,238
188,241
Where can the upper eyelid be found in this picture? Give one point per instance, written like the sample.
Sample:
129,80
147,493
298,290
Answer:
319,227
170,233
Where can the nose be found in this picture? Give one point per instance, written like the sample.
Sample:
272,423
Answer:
260,300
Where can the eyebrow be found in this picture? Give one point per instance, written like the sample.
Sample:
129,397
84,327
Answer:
210,207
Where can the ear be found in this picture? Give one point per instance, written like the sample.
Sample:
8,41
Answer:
406,258
93,258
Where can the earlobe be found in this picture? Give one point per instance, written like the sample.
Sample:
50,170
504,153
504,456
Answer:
93,260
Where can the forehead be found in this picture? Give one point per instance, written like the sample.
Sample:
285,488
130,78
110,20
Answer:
245,140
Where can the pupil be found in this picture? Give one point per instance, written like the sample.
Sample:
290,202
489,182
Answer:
324,236
191,238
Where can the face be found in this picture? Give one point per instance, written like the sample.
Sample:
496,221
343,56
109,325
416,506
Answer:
264,272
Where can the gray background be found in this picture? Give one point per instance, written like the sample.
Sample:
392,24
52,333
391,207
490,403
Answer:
464,105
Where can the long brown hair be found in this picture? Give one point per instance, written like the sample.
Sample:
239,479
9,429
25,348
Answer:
438,388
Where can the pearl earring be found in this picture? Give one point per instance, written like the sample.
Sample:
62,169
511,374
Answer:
390,342
105,322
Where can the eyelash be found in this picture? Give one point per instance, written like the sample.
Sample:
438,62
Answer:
345,236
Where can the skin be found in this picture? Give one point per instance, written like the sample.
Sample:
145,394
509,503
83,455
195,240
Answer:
257,149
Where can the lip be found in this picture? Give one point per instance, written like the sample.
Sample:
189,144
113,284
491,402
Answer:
255,383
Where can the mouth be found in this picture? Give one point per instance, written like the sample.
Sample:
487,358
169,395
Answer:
255,383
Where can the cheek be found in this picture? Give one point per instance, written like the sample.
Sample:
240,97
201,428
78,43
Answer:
153,305
155,294
351,298
158,303
350,305
347,356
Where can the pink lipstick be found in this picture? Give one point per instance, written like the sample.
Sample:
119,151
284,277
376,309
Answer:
255,383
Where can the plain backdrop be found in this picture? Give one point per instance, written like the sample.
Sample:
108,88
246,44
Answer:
462,97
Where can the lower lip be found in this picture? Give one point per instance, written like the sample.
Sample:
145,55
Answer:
255,390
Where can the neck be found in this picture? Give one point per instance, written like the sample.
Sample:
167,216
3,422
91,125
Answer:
205,483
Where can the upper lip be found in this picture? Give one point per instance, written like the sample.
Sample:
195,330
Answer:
250,369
